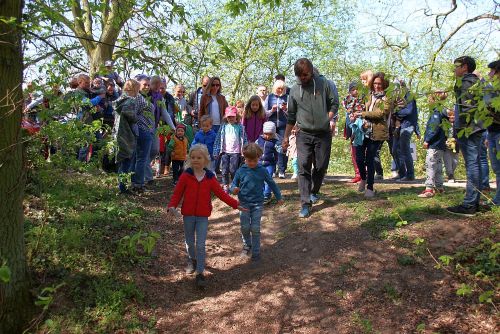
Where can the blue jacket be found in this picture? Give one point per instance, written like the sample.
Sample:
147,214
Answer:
271,149
280,116
251,182
409,114
207,139
434,133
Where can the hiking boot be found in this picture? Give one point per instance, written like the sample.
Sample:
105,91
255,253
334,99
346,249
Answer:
305,211
362,186
314,198
191,266
200,281
356,179
369,193
462,210
427,193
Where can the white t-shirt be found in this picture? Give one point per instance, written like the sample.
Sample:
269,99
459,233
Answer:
214,110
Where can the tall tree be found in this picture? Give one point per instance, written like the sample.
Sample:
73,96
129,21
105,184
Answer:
15,300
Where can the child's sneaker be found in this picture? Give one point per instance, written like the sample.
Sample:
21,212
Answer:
427,193
362,186
369,193
200,281
294,176
267,199
281,175
191,266
245,252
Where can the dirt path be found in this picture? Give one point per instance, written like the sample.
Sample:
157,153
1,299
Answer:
325,274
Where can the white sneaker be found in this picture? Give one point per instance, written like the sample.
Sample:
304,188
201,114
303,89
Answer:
394,174
361,186
369,193
281,175
294,176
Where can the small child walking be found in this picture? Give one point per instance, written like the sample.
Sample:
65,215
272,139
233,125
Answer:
292,151
435,143
178,146
229,144
197,183
247,184
206,136
254,117
271,146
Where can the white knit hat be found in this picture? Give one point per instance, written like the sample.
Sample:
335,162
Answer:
269,127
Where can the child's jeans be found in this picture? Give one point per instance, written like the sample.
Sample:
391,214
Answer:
250,227
177,166
434,168
196,228
295,165
230,162
270,170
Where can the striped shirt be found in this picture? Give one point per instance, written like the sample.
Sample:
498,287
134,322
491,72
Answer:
145,116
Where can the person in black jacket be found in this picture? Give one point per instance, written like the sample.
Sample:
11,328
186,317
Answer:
469,130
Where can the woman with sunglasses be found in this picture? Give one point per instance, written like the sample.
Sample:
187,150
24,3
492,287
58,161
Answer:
213,103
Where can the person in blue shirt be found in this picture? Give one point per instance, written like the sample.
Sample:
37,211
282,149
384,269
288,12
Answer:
247,184
206,136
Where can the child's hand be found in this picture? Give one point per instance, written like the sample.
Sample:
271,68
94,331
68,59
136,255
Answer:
426,145
236,190
242,208
281,202
173,212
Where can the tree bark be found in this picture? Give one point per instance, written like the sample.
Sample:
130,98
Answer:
16,307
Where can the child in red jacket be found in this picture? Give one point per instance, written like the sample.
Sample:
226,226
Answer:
197,184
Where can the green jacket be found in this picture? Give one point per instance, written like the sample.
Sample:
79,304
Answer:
309,105
378,117
125,128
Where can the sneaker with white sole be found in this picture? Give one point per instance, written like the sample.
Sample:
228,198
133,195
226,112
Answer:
281,175
361,186
294,176
369,193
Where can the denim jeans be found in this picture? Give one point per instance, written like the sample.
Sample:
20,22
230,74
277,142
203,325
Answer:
123,170
230,162
195,233
312,148
250,227
494,149
282,157
153,153
485,170
141,158
365,158
402,153
270,170
471,150
217,159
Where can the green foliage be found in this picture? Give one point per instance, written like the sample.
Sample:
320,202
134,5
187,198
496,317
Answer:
464,290
5,273
46,296
131,246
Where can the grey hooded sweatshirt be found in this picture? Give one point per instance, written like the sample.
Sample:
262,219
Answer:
467,100
309,105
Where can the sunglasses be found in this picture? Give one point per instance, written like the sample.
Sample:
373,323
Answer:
216,85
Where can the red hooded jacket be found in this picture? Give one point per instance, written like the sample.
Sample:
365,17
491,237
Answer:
197,194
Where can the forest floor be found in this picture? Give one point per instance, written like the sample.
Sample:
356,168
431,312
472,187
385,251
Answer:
354,266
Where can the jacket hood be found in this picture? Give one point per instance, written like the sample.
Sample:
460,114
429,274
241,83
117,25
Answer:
208,173
120,102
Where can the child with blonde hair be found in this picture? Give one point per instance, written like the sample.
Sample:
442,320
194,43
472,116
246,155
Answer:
247,184
197,184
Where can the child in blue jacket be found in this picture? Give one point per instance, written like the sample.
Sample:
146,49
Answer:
435,143
206,136
247,184
271,146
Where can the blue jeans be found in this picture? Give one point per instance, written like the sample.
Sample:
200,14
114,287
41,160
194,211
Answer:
141,157
195,230
270,170
485,170
153,153
402,152
282,157
123,169
471,150
494,149
230,162
365,158
250,227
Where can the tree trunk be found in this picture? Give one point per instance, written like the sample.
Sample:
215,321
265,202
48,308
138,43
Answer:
98,56
16,306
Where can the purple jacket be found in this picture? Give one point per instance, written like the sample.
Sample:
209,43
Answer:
253,127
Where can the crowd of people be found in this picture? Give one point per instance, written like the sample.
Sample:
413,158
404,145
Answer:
210,146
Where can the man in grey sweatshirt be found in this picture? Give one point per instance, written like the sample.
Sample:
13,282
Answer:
312,105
